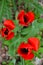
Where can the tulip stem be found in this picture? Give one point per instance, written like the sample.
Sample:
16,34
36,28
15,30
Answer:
23,62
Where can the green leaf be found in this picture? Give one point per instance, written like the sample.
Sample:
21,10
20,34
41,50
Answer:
11,50
2,9
29,62
31,30
5,10
40,20
14,5
3,63
40,50
14,45
26,30
17,27
10,63
6,42
41,41
37,6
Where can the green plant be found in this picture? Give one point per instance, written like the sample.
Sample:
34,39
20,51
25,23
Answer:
9,9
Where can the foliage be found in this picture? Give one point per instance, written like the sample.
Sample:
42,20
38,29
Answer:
10,9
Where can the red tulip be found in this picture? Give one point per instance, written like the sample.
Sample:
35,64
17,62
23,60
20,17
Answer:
25,51
25,18
34,42
6,32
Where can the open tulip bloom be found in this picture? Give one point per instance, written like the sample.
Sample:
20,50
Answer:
26,18
25,49
7,30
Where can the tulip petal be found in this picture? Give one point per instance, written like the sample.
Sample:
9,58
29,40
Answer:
34,42
31,16
10,24
28,57
21,14
10,36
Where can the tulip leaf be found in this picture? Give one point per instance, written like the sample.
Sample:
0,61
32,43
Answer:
31,30
40,50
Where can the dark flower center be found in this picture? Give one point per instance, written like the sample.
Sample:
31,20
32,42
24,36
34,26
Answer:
25,19
24,50
6,32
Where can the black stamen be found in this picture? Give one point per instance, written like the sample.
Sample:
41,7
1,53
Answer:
25,26
6,32
25,19
24,50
